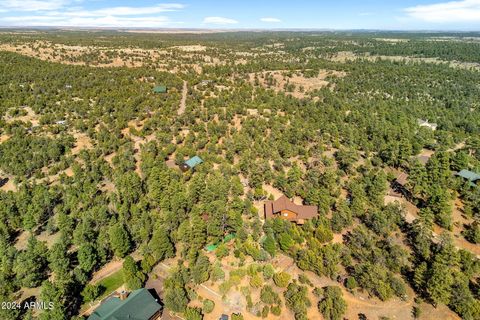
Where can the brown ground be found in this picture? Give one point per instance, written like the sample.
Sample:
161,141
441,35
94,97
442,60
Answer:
82,141
296,79
191,48
183,101
29,117
346,56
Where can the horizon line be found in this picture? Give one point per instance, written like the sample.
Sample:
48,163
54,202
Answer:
246,29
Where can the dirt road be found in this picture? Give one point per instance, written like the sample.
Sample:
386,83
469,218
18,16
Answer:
182,107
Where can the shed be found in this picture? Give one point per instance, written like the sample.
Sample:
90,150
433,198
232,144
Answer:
471,176
160,89
191,163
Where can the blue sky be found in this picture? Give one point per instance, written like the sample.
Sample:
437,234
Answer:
265,14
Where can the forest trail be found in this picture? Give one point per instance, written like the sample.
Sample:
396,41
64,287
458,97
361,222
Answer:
109,269
183,105
112,267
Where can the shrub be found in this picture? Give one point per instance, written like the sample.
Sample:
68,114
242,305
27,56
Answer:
281,279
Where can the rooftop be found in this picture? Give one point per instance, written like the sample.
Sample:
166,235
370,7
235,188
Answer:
139,305
470,176
193,162
283,203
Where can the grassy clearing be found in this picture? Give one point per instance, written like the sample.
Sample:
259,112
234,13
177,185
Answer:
111,283
108,285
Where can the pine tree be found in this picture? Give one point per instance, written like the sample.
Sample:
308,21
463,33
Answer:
270,245
160,244
119,240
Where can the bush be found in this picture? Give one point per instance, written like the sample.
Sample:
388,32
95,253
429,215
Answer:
268,271
351,283
276,310
237,316
91,292
265,311
281,279
268,296
208,306
256,281
193,314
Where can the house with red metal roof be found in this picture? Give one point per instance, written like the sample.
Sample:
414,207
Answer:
285,209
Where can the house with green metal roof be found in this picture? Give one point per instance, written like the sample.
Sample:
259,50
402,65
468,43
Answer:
160,89
138,305
470,176
191,163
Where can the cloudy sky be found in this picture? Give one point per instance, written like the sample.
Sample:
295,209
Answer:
266,14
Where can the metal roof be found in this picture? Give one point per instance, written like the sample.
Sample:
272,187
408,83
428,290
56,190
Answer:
469,175
193,162
160,89
140,304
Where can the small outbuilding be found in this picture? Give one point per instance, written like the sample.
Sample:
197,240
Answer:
470,176
191,163
160,89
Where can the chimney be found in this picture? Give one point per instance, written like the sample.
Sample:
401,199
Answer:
123,295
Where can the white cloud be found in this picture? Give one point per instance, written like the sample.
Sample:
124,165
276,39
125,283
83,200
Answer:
268,19
127,11
105,21
219,20
454,11
60,15
32,5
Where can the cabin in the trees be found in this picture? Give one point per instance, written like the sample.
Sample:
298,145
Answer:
285,209
191,163
139,304
426,124
160,89
472,177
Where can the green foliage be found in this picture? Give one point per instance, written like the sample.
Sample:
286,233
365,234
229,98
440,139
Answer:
175,297
90,292
193,314
296,299
208,306
270,245
119,240
109,197
332,306
132,275
281,279
200,270
237,316
256,281
268,296
351,283
268,271
24,155
160,244
30,264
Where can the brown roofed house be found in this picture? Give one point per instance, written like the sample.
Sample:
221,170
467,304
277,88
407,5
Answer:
285,209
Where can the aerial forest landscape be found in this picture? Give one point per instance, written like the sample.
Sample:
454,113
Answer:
216,173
